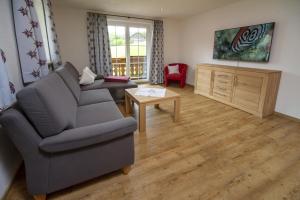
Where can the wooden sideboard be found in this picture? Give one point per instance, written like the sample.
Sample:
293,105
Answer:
249,89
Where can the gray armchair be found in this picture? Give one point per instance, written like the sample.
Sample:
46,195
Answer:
64,143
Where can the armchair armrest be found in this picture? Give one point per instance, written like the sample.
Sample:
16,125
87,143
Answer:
88,135
166,70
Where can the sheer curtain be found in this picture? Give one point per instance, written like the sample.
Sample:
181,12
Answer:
157,54
7,91
54,52
30,43
98,43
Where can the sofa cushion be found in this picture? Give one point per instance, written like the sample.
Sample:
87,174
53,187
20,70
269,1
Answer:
74,72
94,96
49,105
97,113
174,76
99,84
70,81
82,137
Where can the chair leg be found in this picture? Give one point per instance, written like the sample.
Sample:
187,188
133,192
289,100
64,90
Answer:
166,83
182,84
39,197
126,169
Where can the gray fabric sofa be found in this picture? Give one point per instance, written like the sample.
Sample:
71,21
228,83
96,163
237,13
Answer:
67,136
116,89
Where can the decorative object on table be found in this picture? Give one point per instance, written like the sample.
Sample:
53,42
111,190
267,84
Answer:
181,76
151,92
98,42
31,49
88,77
7,89
157,55
123,79
249,43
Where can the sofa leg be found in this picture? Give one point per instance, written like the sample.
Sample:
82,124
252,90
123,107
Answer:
126,169
39,197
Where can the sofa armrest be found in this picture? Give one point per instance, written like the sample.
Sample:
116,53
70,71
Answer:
88,135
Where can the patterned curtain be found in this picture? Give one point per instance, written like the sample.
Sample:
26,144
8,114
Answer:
29,39
7,90
52,36
98,42
157,54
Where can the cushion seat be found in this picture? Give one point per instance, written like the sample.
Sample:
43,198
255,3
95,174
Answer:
97,113
99,84
174,76
94,96
71,78
116,89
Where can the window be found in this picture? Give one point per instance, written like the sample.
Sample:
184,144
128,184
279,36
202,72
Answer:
130,44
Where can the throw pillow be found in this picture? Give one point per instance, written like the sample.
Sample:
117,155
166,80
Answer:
89,71
173,69
87,78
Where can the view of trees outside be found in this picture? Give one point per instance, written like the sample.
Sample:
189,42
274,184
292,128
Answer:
118,41
137,57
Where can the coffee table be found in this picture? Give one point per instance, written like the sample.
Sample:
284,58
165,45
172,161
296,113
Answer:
143,101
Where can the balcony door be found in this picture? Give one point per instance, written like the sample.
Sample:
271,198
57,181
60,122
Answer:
130,44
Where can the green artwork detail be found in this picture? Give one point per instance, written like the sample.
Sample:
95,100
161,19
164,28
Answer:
250,43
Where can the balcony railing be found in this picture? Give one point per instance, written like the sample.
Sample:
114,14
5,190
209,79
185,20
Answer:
137,70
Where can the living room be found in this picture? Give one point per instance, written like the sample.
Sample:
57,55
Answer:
190,141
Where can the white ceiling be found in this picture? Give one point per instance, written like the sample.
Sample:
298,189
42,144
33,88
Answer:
177,9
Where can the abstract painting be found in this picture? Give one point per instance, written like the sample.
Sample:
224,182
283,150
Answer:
249,43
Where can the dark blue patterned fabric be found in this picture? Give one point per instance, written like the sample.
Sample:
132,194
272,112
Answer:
157,56
98,42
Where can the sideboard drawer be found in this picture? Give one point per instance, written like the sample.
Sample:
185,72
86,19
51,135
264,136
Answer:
222,96
223,76
223,89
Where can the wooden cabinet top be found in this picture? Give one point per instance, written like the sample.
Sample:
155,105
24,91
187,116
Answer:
232,68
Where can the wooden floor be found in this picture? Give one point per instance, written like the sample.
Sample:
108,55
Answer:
214,152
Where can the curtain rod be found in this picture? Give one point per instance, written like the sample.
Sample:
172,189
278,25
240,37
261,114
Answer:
113,15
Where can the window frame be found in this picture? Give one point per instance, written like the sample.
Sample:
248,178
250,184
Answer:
134,23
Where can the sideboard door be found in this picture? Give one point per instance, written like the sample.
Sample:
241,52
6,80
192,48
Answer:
203,81
247,91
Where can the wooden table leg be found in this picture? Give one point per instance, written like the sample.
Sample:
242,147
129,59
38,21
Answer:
126,169
127,104
142,118
176,109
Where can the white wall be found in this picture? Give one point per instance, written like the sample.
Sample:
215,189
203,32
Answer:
198,38
9,157
171,40
72,36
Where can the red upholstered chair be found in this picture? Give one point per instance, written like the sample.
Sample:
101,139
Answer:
181,77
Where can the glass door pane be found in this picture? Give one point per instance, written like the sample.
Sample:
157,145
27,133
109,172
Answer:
138,52
117,39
